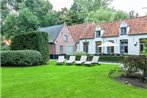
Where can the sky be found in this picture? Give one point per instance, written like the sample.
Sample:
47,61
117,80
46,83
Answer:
139,6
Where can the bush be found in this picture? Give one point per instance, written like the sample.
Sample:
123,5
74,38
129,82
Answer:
135,64
79,53
117,59
20,58
32,41
4,47
102,58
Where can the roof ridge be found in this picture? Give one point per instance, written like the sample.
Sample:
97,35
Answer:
52,26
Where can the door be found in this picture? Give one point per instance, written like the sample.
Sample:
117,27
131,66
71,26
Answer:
98,49
69,49
123,46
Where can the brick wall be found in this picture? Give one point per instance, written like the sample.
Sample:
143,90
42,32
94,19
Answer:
60,39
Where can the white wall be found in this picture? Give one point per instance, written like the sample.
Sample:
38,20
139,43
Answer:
91,49
132,49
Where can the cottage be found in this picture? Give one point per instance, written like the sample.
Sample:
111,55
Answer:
127,34
60,40
76,31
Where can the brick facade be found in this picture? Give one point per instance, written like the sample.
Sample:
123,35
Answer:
60,40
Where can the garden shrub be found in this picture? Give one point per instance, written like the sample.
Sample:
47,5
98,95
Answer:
135,64
117,59
32,41
103,58
5,47
79,53
20,58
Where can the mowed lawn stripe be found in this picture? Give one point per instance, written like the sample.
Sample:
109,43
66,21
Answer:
60,81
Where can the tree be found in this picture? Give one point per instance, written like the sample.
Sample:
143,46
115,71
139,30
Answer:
9,7
133,14
71,16
4,10
93,5
10,26
98,11
105,15
40,8
100,15
22,23
50,19
120,15
22,16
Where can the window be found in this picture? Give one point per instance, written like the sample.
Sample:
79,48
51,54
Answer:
61,49
98,33
124,46
110,49
123,31
65,38
98,49
141,47
85,46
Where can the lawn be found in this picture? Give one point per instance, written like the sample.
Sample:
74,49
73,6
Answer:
52,81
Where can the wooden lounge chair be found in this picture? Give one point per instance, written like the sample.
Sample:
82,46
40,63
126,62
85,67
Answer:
82,60
71,60
93,61
60,60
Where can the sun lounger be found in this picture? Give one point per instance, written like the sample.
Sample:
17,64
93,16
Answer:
60,60
93,61
71,60
82,60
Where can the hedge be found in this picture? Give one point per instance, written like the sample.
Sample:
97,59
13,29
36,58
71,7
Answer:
32,41
20,58
102,58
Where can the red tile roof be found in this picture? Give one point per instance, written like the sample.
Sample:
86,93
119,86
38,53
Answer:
137,26
77,30
89,31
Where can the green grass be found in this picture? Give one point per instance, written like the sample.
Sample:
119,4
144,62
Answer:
52,81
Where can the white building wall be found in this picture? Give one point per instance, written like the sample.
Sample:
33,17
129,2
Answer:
116,41
91,49
132,40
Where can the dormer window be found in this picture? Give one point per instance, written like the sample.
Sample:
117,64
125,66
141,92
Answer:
98,33
124,28
123,31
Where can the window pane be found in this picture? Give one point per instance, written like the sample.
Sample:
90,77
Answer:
85,47
65,38
123,30
61,49
98,33
123,46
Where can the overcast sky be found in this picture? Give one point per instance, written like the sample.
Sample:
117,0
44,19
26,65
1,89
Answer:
139,6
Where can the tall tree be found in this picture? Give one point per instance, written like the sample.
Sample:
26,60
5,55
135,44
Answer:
133,14
25,15
40,8
71,16
92,5
120,15
22,23
98,11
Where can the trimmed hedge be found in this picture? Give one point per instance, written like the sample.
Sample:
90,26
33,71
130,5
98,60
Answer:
20,58
32,41
117,59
